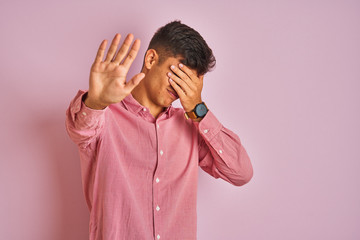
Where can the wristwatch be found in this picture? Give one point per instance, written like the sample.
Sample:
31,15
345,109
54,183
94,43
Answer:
199,111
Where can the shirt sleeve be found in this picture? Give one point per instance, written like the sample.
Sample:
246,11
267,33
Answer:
83,124
221,153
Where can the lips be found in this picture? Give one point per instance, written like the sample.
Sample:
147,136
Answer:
173,94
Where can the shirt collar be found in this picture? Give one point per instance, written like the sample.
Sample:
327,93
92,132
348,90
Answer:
134,106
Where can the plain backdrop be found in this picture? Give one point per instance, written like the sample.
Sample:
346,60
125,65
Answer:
287,82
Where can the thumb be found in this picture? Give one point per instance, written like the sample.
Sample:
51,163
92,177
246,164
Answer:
134,81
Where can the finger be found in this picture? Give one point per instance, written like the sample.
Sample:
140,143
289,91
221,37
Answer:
184,86
132,54
100,52
113,47
134,82
123,49
180,73
184,77
187,71
176,87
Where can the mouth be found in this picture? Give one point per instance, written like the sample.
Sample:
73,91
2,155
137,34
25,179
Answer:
173,94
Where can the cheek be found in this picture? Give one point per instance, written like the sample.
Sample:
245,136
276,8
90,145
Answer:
163,80
160,81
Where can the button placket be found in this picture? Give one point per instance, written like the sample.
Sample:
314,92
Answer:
156,199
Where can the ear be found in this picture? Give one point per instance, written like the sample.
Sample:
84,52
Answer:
151,57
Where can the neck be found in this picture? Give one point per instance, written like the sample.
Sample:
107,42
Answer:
140,95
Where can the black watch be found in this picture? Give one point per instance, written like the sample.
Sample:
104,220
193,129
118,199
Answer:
199,111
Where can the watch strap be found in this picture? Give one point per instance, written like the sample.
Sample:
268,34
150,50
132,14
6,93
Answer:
192,113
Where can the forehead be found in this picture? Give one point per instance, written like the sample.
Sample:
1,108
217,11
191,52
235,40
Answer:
175,61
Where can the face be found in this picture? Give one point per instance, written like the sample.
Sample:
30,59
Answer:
158,88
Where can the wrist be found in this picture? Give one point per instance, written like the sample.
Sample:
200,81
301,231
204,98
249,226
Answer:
197,119
198,113
90,103
192,106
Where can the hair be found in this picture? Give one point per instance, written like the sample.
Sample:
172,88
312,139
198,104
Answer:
176,39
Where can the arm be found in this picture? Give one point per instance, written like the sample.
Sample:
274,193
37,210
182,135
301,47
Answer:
82,123
85,117
221,153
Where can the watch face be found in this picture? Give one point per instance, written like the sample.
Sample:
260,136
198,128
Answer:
201,110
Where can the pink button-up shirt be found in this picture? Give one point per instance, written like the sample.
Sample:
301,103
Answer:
140,174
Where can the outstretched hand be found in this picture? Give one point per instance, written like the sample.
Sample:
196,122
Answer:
107,83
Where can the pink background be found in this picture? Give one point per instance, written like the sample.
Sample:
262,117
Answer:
287,82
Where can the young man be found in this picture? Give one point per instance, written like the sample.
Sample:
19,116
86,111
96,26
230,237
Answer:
139,154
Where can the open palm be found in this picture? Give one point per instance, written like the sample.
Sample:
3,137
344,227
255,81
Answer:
107,83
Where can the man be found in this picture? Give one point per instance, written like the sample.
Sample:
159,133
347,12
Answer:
139,154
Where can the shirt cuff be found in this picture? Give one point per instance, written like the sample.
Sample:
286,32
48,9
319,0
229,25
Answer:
209,126
85,113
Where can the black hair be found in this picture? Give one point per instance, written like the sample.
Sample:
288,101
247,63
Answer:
176,39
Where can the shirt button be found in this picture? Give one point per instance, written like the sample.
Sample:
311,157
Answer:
157,208
205,131
84,113
157,125
144,109
158,236
220,151
161,152
157,180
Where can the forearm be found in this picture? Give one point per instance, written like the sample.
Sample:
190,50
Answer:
222,153
83,124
